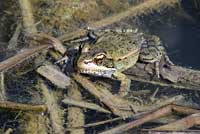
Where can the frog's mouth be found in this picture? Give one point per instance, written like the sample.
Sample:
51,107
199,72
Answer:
89,67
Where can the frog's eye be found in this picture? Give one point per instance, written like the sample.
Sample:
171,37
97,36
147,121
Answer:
99,58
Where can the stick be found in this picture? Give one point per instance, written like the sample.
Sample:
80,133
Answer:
183,78
154,115
22,107
53,109
27,15
54,75
118,106
146,131
2,87
75,115
182,124
95,124
149,117
105,96
20,57
12,44
34,123
83,104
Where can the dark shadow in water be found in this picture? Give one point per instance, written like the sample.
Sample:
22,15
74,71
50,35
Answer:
181,36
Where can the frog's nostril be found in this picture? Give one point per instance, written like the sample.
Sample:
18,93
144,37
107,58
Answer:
85,62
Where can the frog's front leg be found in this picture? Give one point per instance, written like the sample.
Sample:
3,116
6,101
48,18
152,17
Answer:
125,83
157,68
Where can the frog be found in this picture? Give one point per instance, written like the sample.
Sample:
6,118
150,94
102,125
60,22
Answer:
110,55
152,51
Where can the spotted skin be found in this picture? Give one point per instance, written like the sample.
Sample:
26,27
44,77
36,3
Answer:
152,51
120,50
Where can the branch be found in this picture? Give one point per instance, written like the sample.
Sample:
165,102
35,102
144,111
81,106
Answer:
83,104
22,107
27,15
54,110
182,124
174,76
148,117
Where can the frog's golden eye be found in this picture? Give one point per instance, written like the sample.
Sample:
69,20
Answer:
99,58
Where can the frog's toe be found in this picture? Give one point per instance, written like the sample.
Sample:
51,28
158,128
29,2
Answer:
123,93
123,114
168,60
124,117
133,109
157,69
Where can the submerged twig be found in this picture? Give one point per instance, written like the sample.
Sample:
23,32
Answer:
22,56
27,15
75,115
22,107
182,124
118,106
53,109
12,44
47,39
148,117
83,104
54,75
170,132
95,124
34,123
2,87
183,78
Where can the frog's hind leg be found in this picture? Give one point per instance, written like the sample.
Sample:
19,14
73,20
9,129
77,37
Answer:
125,83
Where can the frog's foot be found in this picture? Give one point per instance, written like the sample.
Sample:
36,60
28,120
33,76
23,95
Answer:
124,87
125,83
122,113
64,60
122,107
157,69
169,62
159,65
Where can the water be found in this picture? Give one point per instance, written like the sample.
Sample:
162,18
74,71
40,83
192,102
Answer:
179,32
182,36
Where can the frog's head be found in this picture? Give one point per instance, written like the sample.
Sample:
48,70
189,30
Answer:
95,62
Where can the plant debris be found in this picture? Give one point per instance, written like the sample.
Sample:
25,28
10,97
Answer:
46,30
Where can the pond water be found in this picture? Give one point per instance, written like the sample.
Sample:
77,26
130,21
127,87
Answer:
182,38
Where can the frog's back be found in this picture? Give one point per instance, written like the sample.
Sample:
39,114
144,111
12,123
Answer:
118,44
